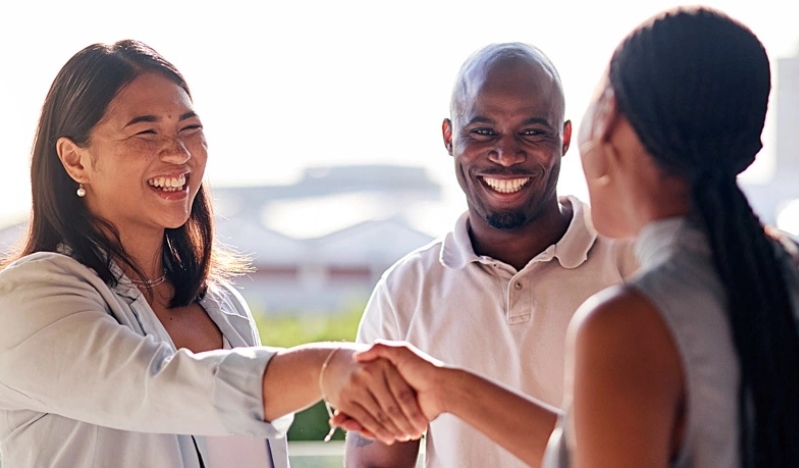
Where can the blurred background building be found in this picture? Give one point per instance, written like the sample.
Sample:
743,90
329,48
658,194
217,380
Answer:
318,245
321,244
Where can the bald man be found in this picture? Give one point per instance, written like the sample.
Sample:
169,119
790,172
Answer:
496,294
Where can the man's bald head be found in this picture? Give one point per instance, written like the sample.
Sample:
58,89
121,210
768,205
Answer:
494,58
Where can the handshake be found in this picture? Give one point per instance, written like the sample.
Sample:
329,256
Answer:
388,391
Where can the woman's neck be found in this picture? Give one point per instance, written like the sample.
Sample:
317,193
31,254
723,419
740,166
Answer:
668,202
146,254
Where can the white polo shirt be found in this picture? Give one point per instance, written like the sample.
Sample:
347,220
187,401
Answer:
483,315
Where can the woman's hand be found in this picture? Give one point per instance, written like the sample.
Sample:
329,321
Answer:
377,400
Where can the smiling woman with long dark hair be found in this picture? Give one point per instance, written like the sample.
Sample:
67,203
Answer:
121,341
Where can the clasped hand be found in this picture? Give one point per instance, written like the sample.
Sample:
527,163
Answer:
387,392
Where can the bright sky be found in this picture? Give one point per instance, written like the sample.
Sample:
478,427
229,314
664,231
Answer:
283,85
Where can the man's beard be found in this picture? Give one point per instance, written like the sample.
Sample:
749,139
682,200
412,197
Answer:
507,220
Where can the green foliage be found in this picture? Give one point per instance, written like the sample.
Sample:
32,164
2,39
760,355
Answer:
291,330
311,424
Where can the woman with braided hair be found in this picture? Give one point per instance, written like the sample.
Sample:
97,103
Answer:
694,362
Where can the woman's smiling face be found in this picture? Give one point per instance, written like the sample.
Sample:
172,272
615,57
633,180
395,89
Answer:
145,159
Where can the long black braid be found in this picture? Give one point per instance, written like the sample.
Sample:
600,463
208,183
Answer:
694,85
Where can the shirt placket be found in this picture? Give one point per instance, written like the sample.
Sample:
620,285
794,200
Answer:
520,306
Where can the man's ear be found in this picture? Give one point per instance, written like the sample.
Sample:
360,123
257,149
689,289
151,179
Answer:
567,136
446,133
73,158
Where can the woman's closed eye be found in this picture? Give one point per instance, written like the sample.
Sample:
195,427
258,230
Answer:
191,127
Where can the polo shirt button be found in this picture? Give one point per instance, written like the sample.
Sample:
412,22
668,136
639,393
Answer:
518,285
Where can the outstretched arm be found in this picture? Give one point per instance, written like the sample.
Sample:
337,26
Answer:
516,422
67,346
623,372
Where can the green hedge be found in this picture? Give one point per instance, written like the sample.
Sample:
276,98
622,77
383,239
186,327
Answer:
286,330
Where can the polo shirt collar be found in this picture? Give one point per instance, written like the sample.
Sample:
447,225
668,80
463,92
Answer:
571,250
456,249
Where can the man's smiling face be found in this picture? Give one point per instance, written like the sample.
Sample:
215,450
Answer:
507,137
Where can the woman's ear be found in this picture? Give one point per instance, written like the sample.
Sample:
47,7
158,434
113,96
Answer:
73,158
606,113
596,147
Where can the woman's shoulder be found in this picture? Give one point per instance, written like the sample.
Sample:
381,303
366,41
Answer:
614,310
42,276
624,372
622,321
43,288
45,263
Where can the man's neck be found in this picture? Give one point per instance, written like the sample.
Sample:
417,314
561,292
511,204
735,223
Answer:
517,247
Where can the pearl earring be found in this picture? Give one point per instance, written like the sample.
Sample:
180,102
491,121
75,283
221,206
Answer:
81,192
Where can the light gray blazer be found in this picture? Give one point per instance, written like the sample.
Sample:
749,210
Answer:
90,378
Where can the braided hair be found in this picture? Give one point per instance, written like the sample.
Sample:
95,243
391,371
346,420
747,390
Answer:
694,84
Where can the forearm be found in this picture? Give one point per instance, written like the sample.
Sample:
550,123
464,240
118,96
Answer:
291,380
519,424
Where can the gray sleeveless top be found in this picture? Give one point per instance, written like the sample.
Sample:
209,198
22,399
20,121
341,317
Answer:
677,275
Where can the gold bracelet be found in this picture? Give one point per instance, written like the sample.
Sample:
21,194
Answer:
322,389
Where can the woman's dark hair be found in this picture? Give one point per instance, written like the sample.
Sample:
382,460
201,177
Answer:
76,102
694,85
